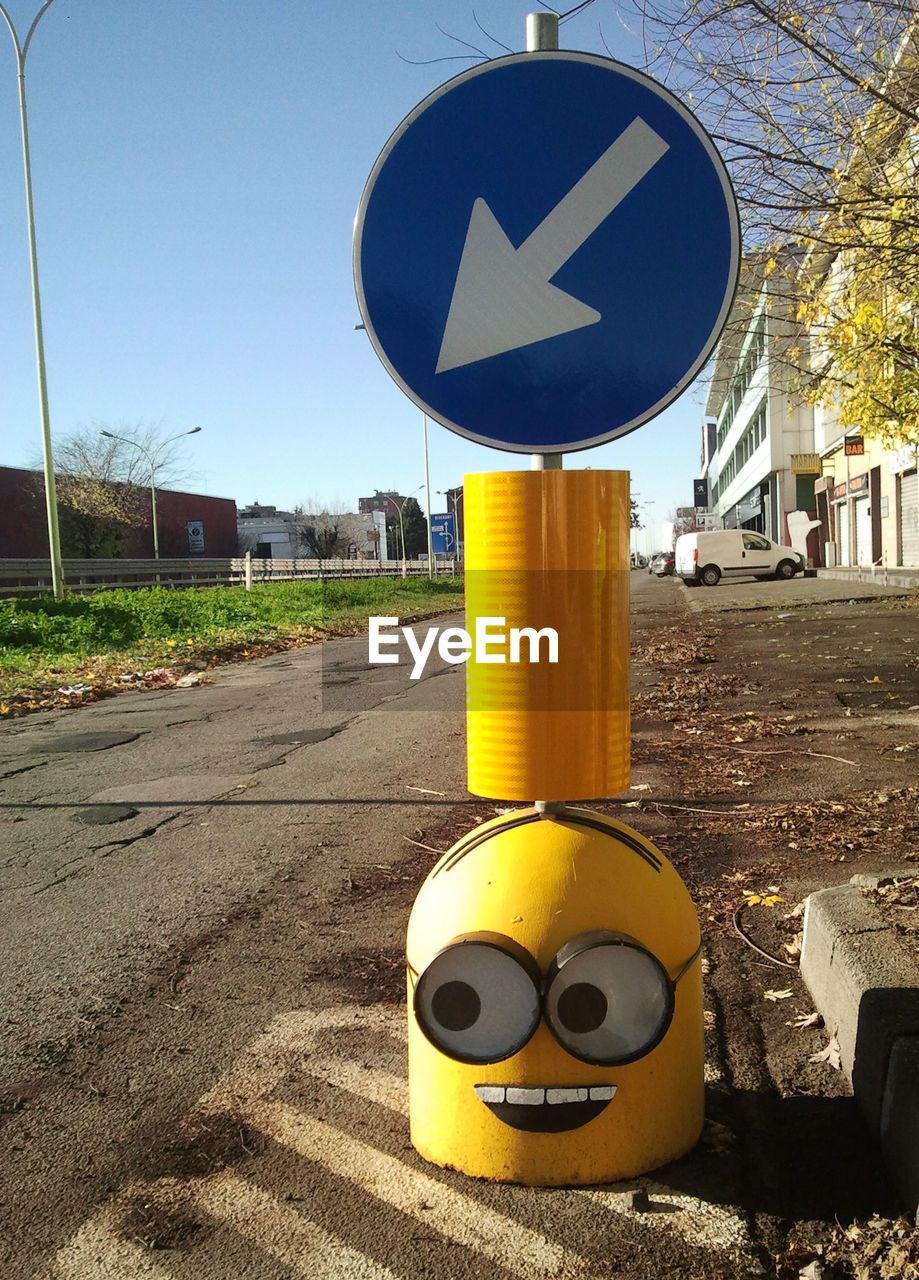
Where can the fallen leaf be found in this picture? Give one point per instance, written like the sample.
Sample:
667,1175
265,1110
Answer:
778,995
814,1019
793,949
764,899
186,682
873,680
830,1054
813,1271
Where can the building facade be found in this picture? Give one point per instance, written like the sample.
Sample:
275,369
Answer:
756,430
867,498
270,534
867,489
188,524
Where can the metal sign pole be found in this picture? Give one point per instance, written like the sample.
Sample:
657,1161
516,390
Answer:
542,33
54,537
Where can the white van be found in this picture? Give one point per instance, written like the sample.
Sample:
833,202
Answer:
733,553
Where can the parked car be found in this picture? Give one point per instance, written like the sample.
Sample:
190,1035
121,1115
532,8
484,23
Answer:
733,553
651,558
662,564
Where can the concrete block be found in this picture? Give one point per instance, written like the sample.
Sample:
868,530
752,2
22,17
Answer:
866,986
900,1118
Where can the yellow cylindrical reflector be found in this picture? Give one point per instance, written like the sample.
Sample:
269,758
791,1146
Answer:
547,551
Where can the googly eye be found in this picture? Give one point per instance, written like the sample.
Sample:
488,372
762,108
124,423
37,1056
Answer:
608,1000
478,1001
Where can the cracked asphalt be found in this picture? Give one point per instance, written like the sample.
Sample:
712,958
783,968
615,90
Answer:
138,819
202,988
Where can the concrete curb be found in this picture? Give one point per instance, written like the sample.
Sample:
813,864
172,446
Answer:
849,591
897,576
866,986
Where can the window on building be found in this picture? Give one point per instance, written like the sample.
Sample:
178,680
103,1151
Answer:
746,367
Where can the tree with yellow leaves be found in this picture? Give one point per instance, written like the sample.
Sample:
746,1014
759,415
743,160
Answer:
815,107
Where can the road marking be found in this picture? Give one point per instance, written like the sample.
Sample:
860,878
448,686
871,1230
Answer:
370,1083
456,1216
302,1044
289,1041
697,1221
282,1232
96,1252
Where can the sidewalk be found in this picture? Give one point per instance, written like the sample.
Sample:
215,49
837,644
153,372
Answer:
863,980
747,593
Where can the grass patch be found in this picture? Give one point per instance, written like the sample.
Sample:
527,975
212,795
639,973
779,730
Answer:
92,641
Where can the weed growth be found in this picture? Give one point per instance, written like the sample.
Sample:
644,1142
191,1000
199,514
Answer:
41,637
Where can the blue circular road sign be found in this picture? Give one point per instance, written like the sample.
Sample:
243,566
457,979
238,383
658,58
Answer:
546,251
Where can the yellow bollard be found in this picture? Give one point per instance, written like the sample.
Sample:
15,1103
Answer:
549,549
555,1004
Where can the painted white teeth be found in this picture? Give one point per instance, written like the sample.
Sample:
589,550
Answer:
523,1096
554,1096
526,1097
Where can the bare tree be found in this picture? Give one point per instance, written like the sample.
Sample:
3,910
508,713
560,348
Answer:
794,95
815,108
103,485
322,537
321,529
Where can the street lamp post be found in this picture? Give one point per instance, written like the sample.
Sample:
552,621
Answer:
427,493
450,495
455,496
54,537
649,532
151,461
401,525
401,528
426,486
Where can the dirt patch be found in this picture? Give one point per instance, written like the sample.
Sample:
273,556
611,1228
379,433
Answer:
898,900
370,977
156,1225
205,1143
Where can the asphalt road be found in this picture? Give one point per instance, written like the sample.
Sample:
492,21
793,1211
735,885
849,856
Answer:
142,819
205,896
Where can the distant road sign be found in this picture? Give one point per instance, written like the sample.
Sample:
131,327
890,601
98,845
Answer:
443,534
194,532
546,251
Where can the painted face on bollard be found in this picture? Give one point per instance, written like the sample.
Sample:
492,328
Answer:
605,1000
554,1050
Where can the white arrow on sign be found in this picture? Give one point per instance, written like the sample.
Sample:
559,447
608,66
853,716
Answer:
502,298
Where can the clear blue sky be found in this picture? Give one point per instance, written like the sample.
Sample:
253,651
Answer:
196,167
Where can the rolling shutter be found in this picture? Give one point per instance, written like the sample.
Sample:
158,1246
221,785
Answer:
863,531
842,532
909,520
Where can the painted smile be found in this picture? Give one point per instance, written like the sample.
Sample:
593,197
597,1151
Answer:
545,1110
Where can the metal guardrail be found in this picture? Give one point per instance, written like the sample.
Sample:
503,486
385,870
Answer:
33,577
